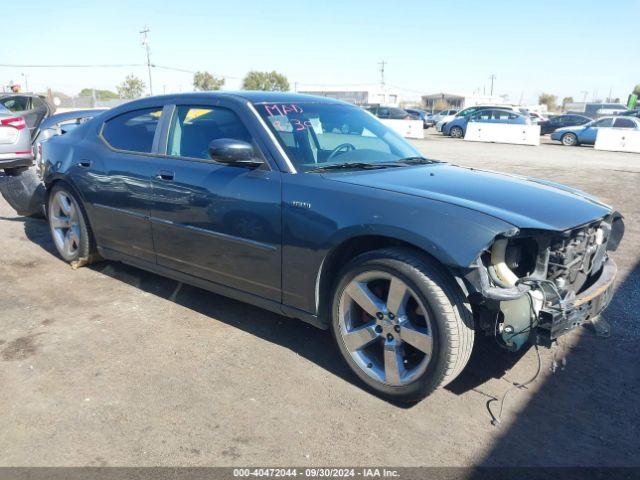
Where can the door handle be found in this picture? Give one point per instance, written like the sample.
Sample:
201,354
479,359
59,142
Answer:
84,163
165,175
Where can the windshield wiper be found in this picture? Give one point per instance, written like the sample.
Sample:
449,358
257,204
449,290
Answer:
355,165
417,161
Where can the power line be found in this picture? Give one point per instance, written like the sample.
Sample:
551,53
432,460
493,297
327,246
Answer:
117,65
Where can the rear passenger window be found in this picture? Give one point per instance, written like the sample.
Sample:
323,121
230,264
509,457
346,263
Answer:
132,131
193,128
624,123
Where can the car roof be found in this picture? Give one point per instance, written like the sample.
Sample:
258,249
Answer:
253,97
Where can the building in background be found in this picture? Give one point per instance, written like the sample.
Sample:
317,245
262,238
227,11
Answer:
357,94
442,100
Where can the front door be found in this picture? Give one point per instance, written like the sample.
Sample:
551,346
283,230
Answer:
212,221
116,184
590,133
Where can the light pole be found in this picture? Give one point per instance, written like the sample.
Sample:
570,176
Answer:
145,43
492,77
382,64
26,83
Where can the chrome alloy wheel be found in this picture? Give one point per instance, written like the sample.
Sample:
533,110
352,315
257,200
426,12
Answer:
385,327
64,222
456,132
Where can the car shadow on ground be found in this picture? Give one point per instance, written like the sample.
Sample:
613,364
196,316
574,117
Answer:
488,360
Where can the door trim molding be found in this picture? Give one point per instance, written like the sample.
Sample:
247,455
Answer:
224,236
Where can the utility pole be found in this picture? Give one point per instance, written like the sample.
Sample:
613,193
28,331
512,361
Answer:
382,65
26,83
492,77
584,95
145,43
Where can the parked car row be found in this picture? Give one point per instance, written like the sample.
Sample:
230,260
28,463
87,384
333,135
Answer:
586,134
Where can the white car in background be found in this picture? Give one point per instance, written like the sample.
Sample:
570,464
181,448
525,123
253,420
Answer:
537,118
436,117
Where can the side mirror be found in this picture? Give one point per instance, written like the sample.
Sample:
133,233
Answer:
234,153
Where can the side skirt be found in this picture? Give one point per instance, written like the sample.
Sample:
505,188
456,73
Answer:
223,290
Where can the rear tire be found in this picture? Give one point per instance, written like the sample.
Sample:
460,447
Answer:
569,140
401,349
69,227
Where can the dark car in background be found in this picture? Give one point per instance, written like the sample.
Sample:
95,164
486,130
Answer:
257,196
630,113
390,113
420,114
561,121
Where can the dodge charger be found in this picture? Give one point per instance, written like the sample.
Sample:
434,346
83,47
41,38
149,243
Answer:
312,208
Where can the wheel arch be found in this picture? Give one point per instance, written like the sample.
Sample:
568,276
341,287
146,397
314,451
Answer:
352,247
60,180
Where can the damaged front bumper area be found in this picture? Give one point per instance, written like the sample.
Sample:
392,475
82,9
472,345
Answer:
556,319
537,286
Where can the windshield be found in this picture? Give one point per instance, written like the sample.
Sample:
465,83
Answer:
317,135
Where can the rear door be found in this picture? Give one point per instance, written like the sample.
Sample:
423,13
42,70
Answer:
213,221
116,182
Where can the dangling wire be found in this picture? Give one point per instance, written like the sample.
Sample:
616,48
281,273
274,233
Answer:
516,386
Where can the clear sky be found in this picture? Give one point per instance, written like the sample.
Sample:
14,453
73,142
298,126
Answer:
562,47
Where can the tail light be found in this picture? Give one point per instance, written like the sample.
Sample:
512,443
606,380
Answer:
15,122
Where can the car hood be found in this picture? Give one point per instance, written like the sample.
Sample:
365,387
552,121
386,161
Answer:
521,201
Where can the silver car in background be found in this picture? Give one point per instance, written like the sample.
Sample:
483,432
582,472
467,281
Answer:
23,188
15,142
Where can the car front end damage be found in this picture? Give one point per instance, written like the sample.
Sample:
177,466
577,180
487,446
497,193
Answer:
536,285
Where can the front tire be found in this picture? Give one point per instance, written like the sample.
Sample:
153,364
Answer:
68,224
401,323
569,140
456,132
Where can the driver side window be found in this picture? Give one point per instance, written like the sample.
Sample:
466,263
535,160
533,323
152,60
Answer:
193,128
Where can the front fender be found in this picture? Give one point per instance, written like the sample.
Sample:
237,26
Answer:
321,215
